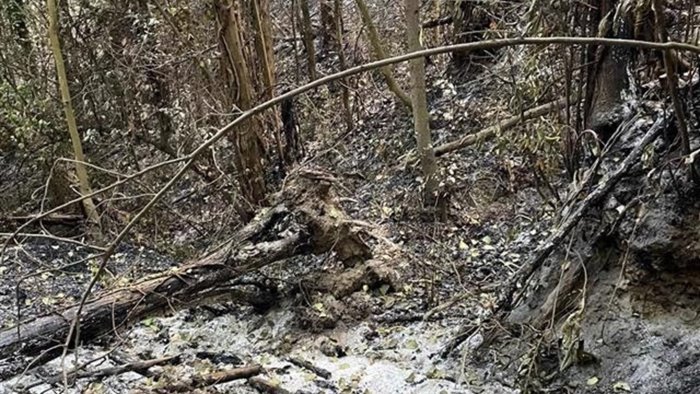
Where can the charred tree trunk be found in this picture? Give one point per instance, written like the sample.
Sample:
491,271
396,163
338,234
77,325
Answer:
608,76
380,54
293,149
306,219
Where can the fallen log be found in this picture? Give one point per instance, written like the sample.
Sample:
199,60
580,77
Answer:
305,219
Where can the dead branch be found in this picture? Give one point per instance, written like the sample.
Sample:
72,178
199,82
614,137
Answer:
105,372
504,125
51,219
266,386
218,377
437,22
308,365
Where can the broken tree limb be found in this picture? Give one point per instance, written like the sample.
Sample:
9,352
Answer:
299,362
305,220
218,377
267,386
437,22
105,372
410,159
506,124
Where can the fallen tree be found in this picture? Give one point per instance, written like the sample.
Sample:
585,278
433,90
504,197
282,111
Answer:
305,219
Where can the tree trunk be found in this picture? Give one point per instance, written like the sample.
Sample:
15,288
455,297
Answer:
380,54
608,77
345,91
307,219
328,27
88,204
250,150
260,11
262,23
420,104
468,22
308,37
670,64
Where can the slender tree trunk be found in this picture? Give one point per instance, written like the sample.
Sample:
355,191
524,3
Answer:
671,67
420,103
380,54
328,27
338,10
295,46
88,204
260,10
308,37
249,146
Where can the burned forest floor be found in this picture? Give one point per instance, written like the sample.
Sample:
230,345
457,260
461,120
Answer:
380,326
